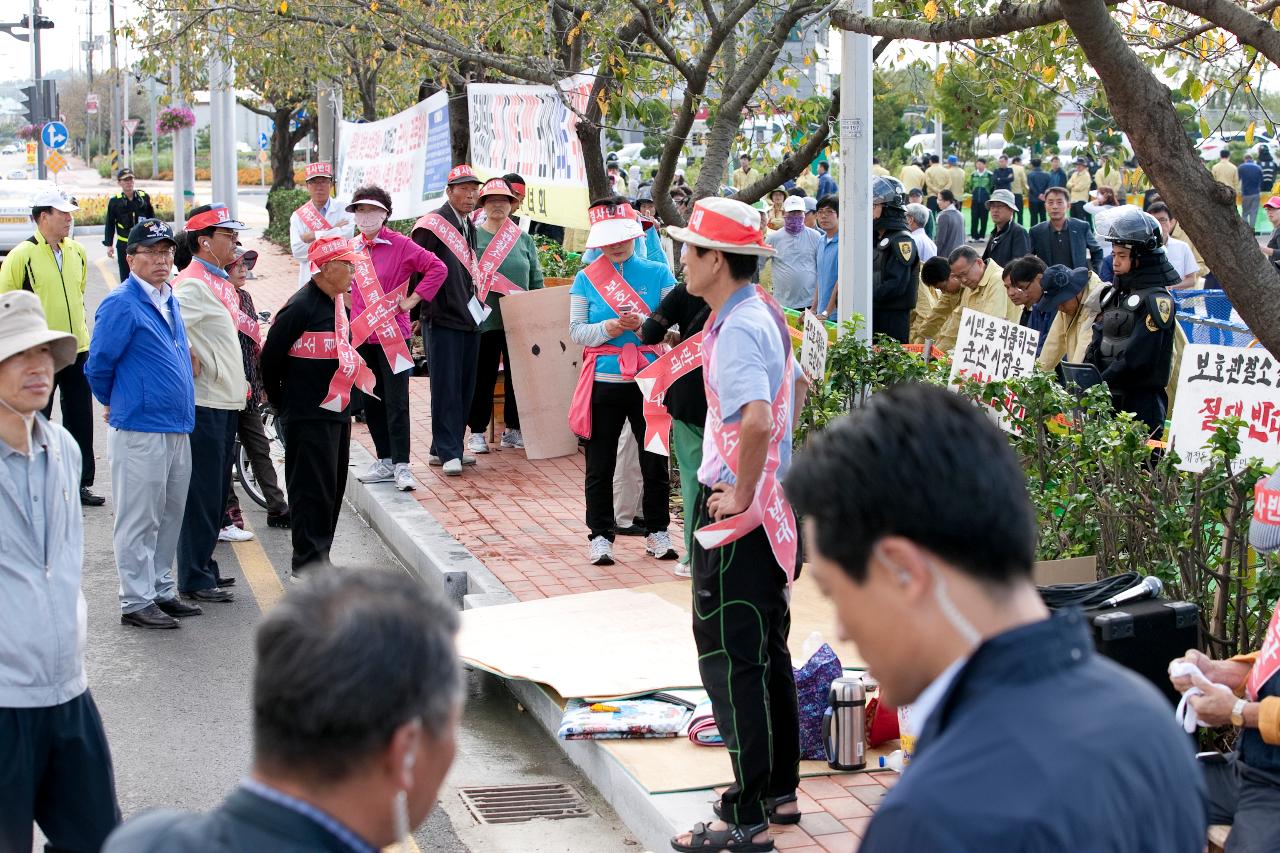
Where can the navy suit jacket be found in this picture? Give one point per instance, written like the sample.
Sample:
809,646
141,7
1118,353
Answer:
1085,249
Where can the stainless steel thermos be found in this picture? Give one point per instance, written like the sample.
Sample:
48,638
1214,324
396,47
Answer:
844,724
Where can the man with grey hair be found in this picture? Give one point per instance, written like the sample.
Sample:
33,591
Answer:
357,692
917,219
55,766
950,230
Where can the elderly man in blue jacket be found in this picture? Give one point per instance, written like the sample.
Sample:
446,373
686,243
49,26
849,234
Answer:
55,766
140,369
1027,739
1062,240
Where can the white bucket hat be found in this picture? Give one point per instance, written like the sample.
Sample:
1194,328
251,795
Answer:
23,326
725,224
612,224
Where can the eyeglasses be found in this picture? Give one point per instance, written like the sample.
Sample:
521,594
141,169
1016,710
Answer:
962,274
154,253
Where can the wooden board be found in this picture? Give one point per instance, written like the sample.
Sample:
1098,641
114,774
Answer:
544,368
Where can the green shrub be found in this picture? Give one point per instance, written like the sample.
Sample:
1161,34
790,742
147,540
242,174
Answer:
280,206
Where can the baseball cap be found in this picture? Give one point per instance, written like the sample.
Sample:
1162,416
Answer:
462,174
497,187
1004,197
1061,284
148,232
1273,202
953,159
213,216
124,173
810,204
793,203
249,256
611,224
725,224
55,199
319,169
328,249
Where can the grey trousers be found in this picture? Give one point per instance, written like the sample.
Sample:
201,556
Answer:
1249,210
150,472
1247,799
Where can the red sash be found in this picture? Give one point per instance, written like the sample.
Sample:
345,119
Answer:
1266,509
769,506
379,315
351,369
654,381
619,296
1266,504
226,293
312,219
499,247
450,236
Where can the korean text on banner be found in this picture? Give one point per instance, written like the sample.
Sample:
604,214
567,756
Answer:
991,349
408,155
813,349
1219,382
529,130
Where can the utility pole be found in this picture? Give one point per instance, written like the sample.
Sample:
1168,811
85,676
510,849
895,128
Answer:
179,151
328,108
117,132
151,132
937,115
854,277
46,109
222,120
126,86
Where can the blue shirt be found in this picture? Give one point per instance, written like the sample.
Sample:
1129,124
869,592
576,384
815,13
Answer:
749,359
334,826
828,269
1250,175
588,311
826,185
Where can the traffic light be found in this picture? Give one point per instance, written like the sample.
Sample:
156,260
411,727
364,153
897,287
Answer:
50,100
31,98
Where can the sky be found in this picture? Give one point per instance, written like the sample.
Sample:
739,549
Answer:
60,46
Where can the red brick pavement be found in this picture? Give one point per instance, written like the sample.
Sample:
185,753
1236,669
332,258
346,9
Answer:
525,521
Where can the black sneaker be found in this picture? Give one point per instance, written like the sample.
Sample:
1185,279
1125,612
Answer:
178,607
215,594
88,498
150,616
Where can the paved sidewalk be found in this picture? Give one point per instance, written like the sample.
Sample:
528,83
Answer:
524,521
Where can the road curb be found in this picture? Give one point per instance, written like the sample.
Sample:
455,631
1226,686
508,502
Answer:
428,550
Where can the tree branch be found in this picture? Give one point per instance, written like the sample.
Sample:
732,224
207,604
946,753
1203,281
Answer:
1263,9
1010,19
794,163
1243,24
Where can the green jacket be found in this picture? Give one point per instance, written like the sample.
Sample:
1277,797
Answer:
521,266
32,266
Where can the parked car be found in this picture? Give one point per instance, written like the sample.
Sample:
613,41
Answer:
629,155
9,149
1212,145
16,175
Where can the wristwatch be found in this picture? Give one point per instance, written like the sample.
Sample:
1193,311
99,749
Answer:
1237,714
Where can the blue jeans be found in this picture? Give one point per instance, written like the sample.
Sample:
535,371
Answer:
211,444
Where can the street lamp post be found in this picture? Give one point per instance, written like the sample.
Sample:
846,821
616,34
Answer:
854,276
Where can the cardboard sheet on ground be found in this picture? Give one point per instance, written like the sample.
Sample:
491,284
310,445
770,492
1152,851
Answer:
617,643
544,367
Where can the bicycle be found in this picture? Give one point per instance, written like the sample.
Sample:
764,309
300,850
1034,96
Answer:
241,468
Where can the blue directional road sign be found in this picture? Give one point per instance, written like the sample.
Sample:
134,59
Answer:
54,135
263,142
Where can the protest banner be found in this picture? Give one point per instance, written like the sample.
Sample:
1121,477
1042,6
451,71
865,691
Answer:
991,349
813,349
530,131
1218,382
408,155
544,368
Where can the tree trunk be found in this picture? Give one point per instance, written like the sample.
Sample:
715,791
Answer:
282,142
459,118
1143,108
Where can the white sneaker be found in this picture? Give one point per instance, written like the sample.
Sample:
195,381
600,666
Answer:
477,443
601,552
435,461
453,468
659,545
682,570
379,472
231,533
404,478
512,438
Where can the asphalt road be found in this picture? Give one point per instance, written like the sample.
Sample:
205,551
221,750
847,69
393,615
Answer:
176,704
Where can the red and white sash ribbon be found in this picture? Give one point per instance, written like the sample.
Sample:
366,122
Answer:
1266,510
380,309
487,275
226,293
655,380
453,239
620,297
351,369
312,218
769,506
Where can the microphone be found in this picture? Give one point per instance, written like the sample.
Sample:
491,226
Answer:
1149,588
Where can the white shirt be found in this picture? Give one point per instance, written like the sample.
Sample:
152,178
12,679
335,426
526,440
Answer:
1181,258
159,298
330,211
924,245
927,702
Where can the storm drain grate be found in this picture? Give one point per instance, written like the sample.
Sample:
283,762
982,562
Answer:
520,803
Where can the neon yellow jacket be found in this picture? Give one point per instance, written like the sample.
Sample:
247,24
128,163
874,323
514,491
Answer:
32,266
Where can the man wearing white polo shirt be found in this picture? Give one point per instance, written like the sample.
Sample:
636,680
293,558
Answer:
320,217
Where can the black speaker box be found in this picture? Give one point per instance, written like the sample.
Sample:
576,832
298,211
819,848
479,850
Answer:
1145,635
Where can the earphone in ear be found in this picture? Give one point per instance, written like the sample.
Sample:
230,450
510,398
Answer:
409,758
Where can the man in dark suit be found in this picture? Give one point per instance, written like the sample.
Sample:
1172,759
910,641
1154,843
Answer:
356,696
451,322
1061,240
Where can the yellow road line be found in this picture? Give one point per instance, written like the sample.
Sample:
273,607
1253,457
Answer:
259,573
104,265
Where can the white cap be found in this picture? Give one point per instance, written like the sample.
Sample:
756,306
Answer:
793,203
55,199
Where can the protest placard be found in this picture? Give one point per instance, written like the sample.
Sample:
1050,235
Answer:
544,368
813,349
408,155
991,349
1218,382
529,130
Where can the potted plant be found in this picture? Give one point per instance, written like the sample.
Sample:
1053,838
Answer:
174,119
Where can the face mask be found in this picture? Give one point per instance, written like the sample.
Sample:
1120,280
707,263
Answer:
369,222
793,224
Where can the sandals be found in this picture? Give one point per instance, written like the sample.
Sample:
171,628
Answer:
771,810
735,839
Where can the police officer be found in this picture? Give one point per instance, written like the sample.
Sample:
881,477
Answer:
124,210
895,262
1132,342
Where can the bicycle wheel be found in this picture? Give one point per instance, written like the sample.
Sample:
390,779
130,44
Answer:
275,435
249,479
